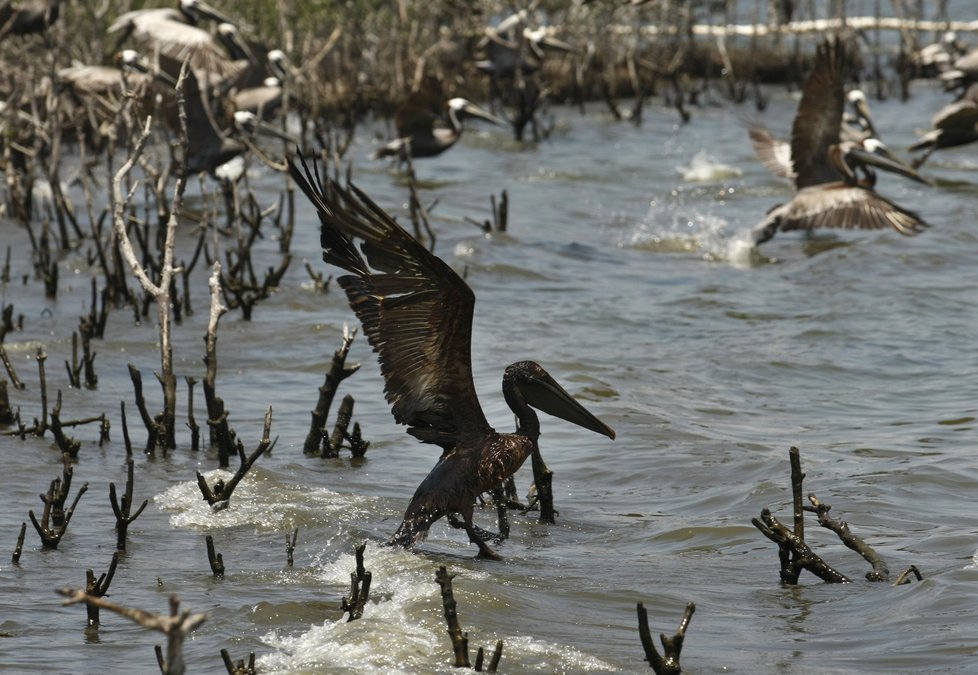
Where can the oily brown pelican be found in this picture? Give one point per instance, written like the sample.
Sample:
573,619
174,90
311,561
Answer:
829,192
173,33
421,132
955,124
417,315
27,16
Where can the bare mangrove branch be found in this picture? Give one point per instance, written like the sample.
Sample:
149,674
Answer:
177,626
668,662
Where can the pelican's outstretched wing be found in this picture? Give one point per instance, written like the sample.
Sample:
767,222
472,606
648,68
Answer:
847,207
819,119
772,152
415,310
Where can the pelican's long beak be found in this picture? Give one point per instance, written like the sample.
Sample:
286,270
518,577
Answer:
881,157
472,110
559,45
543,393
251,124
129,59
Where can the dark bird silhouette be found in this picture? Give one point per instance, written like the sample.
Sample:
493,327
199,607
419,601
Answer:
830,193
28,16
217,143
417,315
954,125
421,130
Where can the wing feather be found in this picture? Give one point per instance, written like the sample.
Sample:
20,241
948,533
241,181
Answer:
819,119
838,205
415,310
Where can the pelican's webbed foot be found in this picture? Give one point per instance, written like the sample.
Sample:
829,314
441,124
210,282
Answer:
485,551
477,536
485,535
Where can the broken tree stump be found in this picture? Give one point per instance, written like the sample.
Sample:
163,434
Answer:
290,547
121,508
177,626
220,494
796,555
460,639
98,589
239,668
338,371
55,519
15,558
666,663
215,559
359,588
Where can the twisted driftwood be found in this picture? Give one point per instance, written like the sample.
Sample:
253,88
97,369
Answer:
796,555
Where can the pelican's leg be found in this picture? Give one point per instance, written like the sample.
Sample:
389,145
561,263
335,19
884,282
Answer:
485,535
484,550
543,481
471,530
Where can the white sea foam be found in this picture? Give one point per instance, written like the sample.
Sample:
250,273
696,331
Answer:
257,500
704,168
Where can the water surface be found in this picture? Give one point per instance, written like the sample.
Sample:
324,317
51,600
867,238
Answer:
624,274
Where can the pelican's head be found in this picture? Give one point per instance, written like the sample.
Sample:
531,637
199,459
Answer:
539,390
857,99
874,153
459,107
278,63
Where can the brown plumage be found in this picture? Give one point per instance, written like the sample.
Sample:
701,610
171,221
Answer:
416,313
829,192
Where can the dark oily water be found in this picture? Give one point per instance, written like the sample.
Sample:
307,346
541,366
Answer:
625,274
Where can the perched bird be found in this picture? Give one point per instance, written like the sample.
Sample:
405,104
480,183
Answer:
95,95
421,132
417,315
27,16
513,44
173,33
824,165
263,99
955,124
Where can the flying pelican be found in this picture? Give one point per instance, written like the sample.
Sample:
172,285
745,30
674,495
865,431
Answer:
215,144
824,165
857,127
28,16
421,134
95,94
173,32
955,124
417,315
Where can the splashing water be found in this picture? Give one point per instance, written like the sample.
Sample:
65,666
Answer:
704,168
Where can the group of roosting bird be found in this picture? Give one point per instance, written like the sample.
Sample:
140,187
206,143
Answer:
416,312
